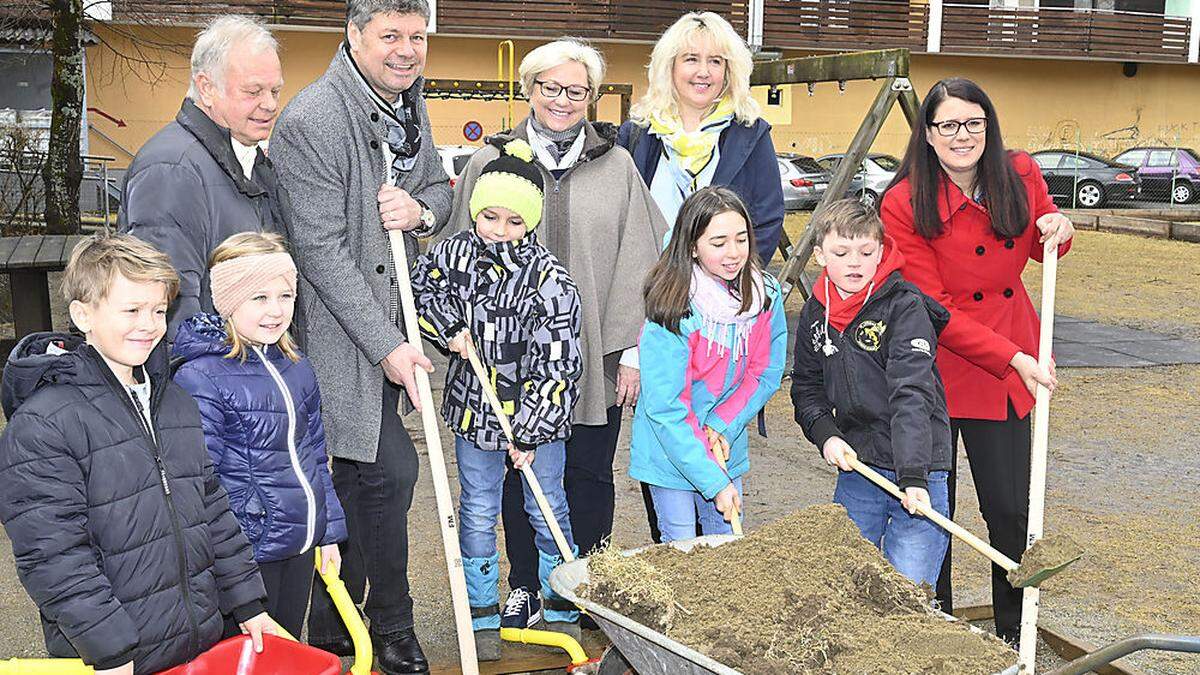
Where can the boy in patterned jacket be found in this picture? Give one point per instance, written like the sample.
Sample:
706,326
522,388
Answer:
496,288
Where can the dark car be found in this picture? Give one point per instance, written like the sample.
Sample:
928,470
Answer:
1086,181
1169,174
805,181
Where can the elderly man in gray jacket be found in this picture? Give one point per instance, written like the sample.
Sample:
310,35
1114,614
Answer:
355,152
203,177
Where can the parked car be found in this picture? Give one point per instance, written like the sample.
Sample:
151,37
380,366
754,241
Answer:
1085,180
454,159
805,181
876,173
1170,174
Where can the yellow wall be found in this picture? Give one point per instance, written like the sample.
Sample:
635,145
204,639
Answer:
1042,103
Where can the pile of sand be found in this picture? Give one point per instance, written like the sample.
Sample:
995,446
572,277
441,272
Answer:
805,594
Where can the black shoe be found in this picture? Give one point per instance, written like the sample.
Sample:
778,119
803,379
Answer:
522,609
399,653
341,646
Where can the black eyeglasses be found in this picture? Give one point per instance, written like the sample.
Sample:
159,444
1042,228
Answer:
553,89
975,125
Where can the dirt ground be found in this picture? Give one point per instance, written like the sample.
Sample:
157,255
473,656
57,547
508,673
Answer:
1123,472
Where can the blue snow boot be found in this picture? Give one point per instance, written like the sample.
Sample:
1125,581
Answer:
560,615
483,591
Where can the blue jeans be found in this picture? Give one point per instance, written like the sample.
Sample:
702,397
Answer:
481,475
913,544
678,511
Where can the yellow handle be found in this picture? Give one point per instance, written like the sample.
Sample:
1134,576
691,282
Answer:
349,613
44,667
546,638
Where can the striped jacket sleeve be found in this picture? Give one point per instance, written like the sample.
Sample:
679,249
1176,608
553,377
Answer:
439,313
555,361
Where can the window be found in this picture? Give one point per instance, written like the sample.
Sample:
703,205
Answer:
829,163
26,80
1132,157
460,163
887,162
1160,158
1073,162
807,165
1047,160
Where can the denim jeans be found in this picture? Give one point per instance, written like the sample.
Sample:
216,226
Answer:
591,496
678,511
481,475
376,496
913,544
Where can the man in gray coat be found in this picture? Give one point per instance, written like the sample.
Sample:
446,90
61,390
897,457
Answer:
203,177
355,152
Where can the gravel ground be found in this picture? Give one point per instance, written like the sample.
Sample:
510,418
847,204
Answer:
1122,472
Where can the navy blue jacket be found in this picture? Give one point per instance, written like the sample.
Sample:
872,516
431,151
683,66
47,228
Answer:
122,534
268,447
747,165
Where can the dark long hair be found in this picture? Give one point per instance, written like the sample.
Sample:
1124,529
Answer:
667,290
1003,193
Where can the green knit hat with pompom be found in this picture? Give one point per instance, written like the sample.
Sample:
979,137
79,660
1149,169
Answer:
511,181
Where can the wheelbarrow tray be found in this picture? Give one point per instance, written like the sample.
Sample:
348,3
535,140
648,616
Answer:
648,651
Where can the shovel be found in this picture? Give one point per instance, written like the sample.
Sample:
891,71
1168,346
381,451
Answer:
735,518
580,663
1044,559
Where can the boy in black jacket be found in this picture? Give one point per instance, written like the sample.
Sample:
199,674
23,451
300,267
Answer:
865,386
121,531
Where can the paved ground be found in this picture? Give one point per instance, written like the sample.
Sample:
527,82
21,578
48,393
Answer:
1083,343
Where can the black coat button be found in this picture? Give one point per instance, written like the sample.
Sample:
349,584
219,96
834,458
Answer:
380,269
963,207
1009,243
374,117
374,145
1008,292
979,250
978,296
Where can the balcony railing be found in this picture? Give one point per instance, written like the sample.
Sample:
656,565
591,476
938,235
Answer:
821,25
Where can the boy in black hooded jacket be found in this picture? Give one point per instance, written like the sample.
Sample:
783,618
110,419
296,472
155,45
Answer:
121,531
865,386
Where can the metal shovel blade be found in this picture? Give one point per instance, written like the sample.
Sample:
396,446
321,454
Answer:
1047,557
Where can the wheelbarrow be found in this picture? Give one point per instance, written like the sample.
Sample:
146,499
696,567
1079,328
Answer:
648,651
281,655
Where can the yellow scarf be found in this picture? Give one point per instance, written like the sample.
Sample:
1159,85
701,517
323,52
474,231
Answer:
693,148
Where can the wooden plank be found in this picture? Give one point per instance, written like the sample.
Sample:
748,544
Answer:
25,252
859,66
1139,226
30,301
50,254
7,246
72,241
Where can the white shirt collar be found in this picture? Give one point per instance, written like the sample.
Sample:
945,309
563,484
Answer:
245,155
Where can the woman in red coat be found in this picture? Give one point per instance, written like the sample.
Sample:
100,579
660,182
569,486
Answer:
968,215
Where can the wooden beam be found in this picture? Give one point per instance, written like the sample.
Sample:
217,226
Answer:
832,68
793,270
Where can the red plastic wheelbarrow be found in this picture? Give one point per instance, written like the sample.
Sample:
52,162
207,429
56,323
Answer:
281,655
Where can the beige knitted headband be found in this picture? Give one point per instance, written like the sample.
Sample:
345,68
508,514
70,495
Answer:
236,281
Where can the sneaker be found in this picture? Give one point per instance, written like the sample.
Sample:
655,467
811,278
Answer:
522,609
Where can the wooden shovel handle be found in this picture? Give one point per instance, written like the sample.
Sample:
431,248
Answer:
941,521
534,486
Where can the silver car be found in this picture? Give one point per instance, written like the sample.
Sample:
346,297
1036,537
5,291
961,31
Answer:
875,174
805,181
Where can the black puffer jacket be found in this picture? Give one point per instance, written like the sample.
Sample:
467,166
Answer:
126,544
882,381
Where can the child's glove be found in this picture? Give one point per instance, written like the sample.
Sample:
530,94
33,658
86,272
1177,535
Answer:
836,451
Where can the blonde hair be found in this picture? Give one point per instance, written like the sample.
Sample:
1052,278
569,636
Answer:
238,246
97,260
660,98
554,54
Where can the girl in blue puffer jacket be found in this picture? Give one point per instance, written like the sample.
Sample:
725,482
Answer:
261,413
